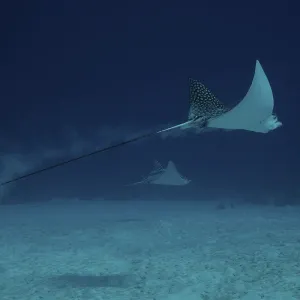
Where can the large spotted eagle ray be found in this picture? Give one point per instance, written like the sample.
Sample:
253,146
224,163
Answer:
253,113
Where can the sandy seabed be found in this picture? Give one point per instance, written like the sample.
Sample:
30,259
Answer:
144,250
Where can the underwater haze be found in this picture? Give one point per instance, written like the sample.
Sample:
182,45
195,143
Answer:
201,212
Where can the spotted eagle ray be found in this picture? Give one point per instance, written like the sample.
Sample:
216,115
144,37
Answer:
164,176
253,113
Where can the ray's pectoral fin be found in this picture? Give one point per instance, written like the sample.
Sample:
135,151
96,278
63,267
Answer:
171,177
203,103
255,111
203,106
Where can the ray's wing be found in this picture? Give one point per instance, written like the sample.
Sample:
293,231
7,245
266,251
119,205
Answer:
255,111
203,103
153,175
171,176
157,168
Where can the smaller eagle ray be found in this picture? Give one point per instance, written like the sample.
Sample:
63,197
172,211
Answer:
164,176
